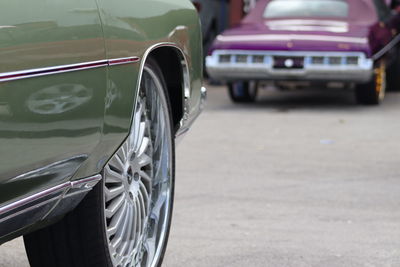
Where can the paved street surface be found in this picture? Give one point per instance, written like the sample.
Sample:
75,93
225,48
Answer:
297,179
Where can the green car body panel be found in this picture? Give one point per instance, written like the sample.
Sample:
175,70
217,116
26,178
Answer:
65,119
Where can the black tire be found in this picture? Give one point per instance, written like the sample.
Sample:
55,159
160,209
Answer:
393,74
373,92
243,92
80,239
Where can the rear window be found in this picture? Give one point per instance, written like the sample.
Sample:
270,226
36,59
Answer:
307,8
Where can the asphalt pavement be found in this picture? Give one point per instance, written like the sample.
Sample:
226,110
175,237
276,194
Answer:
303,178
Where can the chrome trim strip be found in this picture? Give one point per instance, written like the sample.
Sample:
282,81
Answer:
385,49
87,183
286,53
34,197
124,60
24,74
291,37
55,199
7,27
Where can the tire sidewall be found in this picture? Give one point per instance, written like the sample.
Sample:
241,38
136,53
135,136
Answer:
367,94
243,91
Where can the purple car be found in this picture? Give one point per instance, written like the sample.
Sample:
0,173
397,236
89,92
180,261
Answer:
346,43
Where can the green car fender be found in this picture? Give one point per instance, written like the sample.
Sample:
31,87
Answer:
69,75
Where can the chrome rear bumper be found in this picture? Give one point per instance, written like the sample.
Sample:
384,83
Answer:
314,66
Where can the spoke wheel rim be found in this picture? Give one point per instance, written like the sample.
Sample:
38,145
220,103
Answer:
380,80
138,182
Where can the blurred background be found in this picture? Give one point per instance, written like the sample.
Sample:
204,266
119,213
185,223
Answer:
218,15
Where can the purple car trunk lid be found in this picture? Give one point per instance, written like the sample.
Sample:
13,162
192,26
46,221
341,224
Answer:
302,34
360,11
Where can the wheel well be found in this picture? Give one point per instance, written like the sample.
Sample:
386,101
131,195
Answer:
169,61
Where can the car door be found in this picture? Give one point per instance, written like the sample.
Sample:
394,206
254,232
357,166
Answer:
52,93
131,29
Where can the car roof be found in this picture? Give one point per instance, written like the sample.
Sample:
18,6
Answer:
359,11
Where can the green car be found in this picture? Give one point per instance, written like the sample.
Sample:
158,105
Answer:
94,95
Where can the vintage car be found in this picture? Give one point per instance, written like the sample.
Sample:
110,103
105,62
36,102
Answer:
339,43
93,96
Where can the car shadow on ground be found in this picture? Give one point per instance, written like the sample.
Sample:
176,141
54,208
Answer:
297,100
306,99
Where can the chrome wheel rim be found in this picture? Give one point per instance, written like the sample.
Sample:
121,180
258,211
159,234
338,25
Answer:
380,80
138,182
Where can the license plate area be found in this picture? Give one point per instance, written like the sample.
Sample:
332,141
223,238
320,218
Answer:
287,62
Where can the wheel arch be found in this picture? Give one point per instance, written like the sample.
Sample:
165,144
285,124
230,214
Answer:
173,65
